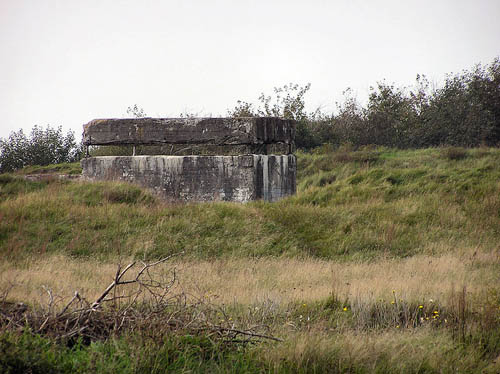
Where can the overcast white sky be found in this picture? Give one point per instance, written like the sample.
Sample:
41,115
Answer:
67,62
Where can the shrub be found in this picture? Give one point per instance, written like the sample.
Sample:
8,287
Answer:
42,147
287,102
464,112
454,153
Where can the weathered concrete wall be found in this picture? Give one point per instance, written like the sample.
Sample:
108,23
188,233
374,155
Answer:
208,149
254,157
201,178
218,131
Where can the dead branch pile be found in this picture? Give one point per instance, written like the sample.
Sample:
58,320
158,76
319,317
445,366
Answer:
137,300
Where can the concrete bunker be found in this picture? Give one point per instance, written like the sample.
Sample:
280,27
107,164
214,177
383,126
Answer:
198,159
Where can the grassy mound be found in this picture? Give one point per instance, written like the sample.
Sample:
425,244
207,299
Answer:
349,205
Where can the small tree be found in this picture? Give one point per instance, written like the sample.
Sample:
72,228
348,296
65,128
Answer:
242,109
464,111
42,147
13,152
136,111
390,116
287,102
349,125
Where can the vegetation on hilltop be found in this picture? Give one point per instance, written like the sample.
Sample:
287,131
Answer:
463,112
41,147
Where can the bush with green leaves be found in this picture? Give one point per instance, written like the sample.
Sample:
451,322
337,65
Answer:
464,112
41,147
286,102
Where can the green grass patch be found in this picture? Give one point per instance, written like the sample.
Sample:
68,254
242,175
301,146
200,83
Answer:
398,203
11,186
63,168
28,353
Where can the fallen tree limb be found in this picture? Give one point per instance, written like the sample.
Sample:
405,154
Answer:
141,302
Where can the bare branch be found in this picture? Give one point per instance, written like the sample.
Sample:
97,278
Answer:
140,302
75,297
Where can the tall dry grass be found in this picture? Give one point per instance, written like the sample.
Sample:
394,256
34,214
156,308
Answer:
406,351
282,280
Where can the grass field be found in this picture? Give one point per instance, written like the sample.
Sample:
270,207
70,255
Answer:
385,261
